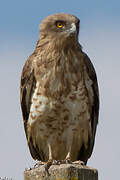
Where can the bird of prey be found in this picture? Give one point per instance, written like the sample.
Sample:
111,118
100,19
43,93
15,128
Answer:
59,94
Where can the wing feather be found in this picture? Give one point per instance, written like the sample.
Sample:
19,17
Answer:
28,83
84,154
95,106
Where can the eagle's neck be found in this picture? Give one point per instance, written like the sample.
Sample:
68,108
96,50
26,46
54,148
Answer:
58,42
60,68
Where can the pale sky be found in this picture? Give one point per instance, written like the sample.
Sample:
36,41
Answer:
100,38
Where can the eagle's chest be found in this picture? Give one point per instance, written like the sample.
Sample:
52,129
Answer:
61,121
56,115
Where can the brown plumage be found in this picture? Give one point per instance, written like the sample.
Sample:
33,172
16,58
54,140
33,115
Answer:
59,94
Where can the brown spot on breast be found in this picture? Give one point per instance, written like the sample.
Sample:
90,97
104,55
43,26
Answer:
34,99
59,133
38,111
81,113
32,117
75,86
38,63
55,110
74,129
72,124
37,106
82,130
51,131
40,115
66,117
65,110
50,119
48,125
67,126
83,93
53,128
33,90
64,123
40,102
72,97
38,93
62,102
46,136
45,65
83,98
80,88
57,106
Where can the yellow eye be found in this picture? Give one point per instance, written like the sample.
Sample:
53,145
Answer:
59,24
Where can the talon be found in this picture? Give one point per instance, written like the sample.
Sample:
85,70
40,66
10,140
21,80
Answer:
47,166
79,162
47,170
54,162
82,163
39,164
68,161
59,162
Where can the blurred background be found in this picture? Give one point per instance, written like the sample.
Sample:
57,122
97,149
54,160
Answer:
100,38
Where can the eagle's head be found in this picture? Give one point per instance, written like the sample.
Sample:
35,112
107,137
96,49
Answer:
60,27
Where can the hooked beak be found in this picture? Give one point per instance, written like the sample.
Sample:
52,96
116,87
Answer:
74,28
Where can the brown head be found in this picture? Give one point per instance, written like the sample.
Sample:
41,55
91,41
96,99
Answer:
60,27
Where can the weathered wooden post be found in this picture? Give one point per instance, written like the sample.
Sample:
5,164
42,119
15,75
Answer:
62,172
